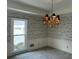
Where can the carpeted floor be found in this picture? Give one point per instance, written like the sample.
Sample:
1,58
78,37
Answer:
45,53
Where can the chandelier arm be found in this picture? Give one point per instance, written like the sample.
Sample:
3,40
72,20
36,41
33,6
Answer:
51,20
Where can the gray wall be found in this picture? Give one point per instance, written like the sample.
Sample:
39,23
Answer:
36,28
36,32
60,37
9,39
64,30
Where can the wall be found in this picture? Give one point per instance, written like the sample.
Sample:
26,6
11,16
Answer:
36,32
60,37
65,6
9,39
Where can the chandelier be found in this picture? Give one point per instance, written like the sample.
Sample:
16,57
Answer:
51,20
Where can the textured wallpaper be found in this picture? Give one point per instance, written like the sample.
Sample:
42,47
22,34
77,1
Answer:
35,28
8,28
64,30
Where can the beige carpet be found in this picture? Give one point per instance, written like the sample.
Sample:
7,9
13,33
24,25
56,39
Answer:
45,53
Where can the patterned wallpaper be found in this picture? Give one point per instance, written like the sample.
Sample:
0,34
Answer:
35,26
36,29
64,30
8,28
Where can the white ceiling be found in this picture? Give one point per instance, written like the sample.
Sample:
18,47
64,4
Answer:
45,4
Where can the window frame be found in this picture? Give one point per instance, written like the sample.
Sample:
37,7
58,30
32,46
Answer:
12,29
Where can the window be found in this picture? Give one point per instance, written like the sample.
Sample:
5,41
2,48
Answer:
19,31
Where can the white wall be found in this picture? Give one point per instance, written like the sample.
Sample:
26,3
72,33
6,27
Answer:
61,44
38,43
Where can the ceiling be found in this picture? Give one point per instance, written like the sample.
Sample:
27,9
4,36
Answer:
58,5
47,4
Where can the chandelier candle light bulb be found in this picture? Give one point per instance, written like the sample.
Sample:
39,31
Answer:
51,21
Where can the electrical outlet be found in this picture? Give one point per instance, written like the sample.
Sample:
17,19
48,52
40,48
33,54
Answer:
67,46
31,45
